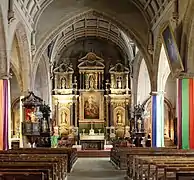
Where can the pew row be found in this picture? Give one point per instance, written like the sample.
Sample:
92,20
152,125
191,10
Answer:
70,152
118,155
165,167
43,163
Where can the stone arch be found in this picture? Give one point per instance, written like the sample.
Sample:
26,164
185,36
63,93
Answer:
163,70
18,76
135,73
15,114
147,104
129,32
4,65
145,80
25,56
187,39
187,44
157,53
42,80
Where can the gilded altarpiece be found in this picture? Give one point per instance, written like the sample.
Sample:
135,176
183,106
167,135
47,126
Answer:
91,96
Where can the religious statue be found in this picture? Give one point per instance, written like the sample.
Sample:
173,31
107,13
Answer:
119,117
55,137
91,82
119,83
139,125
63,83
44,125
63,117
127,134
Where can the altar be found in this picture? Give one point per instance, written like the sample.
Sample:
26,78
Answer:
90,96
94,142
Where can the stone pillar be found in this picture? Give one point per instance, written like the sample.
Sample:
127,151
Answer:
127,84
70,81
107,111
71,111
5,113
157,119
76,112
10,10
56,83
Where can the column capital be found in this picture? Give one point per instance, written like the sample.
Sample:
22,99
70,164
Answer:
184,75
5,76
155,93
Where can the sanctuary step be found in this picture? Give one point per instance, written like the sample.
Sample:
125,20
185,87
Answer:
93,153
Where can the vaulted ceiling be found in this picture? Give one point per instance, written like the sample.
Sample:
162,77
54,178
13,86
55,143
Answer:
71,19
150,8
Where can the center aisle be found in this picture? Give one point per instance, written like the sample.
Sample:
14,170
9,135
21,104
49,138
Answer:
95,168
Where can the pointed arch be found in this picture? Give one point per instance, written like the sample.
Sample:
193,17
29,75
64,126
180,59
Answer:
25,56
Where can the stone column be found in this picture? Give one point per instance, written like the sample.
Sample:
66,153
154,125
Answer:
127,84
157,119
76,111
10,10
71,111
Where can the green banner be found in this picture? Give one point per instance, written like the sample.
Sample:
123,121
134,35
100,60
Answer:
185,113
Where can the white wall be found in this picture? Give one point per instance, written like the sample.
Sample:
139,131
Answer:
143,87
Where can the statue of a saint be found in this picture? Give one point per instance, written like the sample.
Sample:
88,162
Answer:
44,125
63,117
119,117
91,81
55,137
63,83
119,83
139,125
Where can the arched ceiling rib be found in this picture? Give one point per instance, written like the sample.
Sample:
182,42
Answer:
92,23
92,27
151,9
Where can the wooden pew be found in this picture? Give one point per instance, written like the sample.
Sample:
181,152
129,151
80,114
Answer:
45,173
31,165
58,156
58,160
119,154
20,175
70,152
160,167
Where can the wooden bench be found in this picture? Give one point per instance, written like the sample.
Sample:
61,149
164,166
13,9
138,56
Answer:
119,154
4,175
70,152
60,161
160,167
52,164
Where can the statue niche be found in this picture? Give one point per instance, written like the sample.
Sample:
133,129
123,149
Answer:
91,81
119,115
63,117
63,83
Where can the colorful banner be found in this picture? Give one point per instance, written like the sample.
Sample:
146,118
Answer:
186,113
4,113
158,120
154,120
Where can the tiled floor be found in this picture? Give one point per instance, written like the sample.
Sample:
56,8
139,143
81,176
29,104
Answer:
95,169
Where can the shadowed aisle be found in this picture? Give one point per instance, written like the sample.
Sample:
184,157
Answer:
95,168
